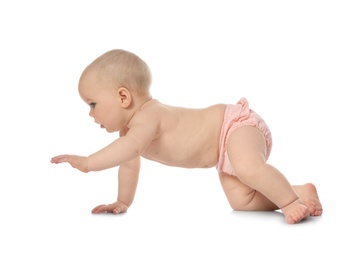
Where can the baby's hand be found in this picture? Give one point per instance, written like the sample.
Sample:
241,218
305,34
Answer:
116,208
78,162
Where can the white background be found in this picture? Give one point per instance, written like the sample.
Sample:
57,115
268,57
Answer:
300,65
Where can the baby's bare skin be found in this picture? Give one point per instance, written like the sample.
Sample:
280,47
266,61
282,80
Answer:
309,196
308,204
187,138
180,137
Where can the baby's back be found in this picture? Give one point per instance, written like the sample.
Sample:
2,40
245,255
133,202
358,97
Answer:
188,137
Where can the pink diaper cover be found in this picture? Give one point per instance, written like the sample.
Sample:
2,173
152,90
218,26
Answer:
236,116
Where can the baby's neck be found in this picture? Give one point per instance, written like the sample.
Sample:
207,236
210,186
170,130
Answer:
139,103
142,102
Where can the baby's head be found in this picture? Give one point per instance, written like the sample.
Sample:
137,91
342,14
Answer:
115,85
119,68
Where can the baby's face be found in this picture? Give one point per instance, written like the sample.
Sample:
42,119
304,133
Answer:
104,104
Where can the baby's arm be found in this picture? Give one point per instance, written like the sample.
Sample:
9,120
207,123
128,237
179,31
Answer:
142,131
116,153
122,150
127,181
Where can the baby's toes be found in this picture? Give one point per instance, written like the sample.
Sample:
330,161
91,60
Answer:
315,208
316,211
297,215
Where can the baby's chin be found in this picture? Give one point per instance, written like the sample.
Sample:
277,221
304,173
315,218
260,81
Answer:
109,130
103,127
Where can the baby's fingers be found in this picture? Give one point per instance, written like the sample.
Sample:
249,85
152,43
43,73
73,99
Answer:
60,159
101,209
96,209
111,208
78,162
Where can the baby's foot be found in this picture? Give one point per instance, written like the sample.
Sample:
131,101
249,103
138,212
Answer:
295,212
308,194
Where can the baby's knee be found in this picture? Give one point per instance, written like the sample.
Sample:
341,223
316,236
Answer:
241,203
237,207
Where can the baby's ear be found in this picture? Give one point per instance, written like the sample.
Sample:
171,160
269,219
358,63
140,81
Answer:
124,96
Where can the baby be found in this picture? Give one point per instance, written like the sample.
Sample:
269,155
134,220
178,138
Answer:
232,138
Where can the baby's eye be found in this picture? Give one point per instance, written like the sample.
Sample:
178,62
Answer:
92,105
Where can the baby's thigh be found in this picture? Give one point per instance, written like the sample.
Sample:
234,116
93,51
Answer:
246,149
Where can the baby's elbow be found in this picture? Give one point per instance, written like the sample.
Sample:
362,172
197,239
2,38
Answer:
138,150
138,147
133,164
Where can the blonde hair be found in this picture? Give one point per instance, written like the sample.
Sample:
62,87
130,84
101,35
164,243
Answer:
124,69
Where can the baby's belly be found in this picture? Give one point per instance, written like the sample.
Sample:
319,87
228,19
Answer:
185,159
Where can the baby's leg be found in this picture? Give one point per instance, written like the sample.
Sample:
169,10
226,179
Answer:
241,197
246,149
308,194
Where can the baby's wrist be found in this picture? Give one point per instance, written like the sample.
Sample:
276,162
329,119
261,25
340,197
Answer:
123,203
